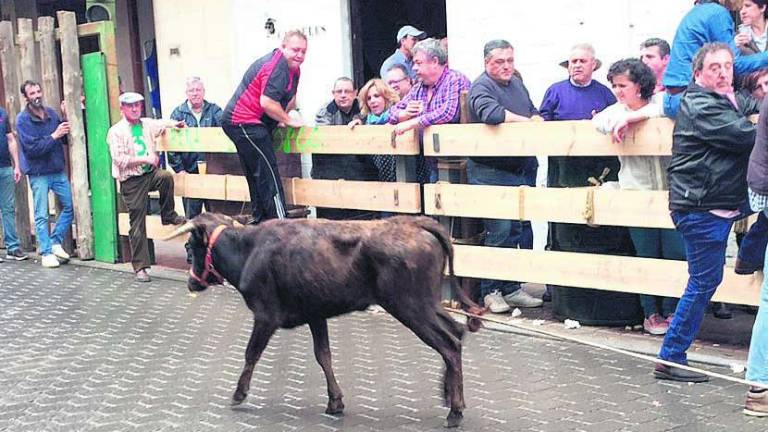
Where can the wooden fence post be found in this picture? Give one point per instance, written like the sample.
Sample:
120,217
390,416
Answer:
51,88
9,58
73,91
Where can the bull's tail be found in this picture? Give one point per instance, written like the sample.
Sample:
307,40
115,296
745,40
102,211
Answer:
467,304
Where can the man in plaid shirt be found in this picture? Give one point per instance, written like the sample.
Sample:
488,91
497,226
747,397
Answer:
436,99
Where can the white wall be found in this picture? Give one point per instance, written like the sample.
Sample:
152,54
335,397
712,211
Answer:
329,53
542,33
202,32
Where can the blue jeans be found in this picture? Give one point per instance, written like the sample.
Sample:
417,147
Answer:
757,362
501,232
8,208
657,243
705,237
59,185
752,249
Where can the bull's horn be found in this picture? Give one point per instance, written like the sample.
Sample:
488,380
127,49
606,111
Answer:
186,228
235,222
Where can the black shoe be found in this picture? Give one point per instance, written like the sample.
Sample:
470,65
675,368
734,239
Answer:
175,220
547,296
721,311
17,255
745,268
676,374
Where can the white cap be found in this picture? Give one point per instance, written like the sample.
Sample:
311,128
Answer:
130,97
409,31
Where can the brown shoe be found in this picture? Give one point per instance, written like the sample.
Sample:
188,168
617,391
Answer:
143,276
175,220
757,404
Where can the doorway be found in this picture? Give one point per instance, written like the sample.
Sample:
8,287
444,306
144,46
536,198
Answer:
374,25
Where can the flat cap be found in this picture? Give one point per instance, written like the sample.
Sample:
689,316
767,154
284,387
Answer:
130,97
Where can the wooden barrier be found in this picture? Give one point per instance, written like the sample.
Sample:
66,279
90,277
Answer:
596,206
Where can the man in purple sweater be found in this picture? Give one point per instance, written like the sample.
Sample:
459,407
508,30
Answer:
579,97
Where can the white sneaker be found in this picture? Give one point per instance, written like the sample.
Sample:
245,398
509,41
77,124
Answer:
60,253
495,302
522,299
50,261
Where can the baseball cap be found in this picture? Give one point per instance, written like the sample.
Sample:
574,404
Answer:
409,31
130,97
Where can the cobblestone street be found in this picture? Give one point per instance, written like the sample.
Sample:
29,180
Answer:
89,349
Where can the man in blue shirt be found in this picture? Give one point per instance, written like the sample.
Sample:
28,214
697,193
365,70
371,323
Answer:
407,37
709,21
42,159
10,174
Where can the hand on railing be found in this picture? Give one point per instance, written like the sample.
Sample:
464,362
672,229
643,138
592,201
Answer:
620,131
354,123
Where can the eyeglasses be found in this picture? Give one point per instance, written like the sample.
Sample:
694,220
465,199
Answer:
343,91
393,82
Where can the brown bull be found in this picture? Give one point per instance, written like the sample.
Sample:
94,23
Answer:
294,272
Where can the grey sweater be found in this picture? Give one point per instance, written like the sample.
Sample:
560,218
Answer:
488,101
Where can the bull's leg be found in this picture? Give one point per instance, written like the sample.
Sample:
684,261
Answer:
323,356
260,335
429,328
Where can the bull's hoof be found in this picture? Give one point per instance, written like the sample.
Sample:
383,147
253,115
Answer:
238,398
335,407
454,419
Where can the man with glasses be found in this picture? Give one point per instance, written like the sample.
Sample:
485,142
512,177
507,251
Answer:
397,77
407,37
339,112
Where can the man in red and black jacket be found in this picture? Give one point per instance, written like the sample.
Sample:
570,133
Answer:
262,102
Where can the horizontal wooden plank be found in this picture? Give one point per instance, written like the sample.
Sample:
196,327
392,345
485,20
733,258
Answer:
360,195
557,138
206,140
318,139
343,140
613,273
378,196
567,205
208,186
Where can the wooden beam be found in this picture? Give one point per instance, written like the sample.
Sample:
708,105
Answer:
49,62
29,65
612,273
78,155
360,195
557,138
9,57
319,139
566,205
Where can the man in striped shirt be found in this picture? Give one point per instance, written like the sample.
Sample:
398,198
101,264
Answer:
435,99
261,103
